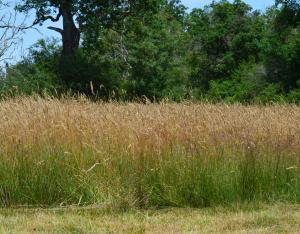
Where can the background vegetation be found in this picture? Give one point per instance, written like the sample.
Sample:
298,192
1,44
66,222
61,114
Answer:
159,50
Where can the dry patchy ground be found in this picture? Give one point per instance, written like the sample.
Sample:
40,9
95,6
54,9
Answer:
265,219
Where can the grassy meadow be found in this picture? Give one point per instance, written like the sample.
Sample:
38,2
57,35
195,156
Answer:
278,218
124,156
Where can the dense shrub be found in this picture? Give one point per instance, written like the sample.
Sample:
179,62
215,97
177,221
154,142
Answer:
26,78
244,85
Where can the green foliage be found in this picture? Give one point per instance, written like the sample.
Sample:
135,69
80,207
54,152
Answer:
35,74
244,85
27,79
93,77
144,54
94,15
294,96
222,36
156,49
156,68
45,54
271,93
282,53
289,14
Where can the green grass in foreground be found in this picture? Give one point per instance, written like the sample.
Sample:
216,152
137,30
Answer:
264,219
52,177
124,182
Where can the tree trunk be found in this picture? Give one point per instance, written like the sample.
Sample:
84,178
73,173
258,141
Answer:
70,39
70,33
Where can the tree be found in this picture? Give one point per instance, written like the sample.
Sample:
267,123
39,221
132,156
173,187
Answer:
82,17
78,16
289,14
53,10
35,73
156,56
10,31
88,21
221,37
142,55
282,47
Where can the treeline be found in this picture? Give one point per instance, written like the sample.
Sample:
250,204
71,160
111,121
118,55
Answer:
158,50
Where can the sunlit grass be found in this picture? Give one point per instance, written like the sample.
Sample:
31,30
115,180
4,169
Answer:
280,218
124,156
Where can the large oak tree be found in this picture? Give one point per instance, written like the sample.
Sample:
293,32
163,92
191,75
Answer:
78,16
88,17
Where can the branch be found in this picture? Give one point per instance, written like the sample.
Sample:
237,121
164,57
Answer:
59,30
47,17
11,31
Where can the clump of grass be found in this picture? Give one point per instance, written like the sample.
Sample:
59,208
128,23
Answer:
122,156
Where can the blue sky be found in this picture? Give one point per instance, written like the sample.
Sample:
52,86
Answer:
256,4
32,36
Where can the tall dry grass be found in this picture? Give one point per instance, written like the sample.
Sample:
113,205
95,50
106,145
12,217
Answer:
133,155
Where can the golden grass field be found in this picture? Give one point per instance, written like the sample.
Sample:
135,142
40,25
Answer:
131,157
139,128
